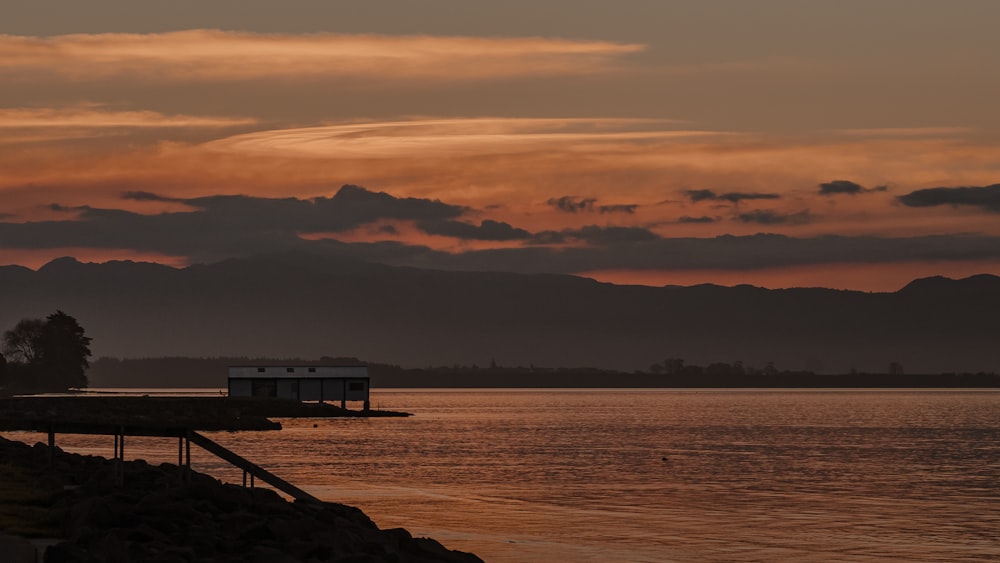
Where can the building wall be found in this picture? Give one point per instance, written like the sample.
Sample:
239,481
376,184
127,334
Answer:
240,388
310,389
288,389
304,383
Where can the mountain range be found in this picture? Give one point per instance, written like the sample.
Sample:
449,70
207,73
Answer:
304,306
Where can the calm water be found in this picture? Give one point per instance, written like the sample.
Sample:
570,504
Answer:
571,475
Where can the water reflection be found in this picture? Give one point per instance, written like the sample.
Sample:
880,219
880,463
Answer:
581,475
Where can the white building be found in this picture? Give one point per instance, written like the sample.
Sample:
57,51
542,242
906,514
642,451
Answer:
301,383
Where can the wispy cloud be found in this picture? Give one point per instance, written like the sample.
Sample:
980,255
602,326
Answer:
452,137
39,124
213,55
95,118
905,132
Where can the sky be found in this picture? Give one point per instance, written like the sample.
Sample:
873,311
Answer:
779,143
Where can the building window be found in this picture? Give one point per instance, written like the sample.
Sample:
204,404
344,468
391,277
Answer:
312,370
290,370
261,370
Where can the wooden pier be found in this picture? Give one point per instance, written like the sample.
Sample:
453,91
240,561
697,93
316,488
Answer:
185,436
167,417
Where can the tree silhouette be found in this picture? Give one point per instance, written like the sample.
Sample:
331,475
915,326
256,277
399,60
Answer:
22,343
64,351
49,355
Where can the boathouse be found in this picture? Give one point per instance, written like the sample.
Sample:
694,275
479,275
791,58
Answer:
301,383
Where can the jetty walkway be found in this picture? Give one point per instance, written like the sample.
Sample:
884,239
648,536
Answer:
169,417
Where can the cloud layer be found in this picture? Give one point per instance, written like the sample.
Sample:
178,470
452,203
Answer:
217,227
214,55
452,137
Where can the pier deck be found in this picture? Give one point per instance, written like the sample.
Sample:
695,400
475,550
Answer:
169,417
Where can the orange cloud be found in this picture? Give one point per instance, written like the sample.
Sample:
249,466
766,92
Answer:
904,132
449,137
213,55
509,168
97,118
43,124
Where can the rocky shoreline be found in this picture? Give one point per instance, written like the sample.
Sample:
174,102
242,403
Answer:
156,516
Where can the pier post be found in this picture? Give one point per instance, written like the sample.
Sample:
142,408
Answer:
187,456
180,458
119,468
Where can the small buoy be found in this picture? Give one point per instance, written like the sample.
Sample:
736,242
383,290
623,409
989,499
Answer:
317,426
663,459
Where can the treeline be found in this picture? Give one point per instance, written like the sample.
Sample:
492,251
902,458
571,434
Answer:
212,372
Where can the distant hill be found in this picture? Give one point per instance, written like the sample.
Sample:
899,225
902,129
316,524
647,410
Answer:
306,307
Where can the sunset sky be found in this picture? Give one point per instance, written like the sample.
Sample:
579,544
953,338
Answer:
851,144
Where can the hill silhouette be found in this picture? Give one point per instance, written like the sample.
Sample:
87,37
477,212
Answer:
303,306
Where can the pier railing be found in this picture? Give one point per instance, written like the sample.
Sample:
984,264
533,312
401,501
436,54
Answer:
249,468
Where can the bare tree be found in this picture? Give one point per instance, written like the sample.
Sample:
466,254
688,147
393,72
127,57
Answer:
23,343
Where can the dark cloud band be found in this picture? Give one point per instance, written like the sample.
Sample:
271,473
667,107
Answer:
731,197
985,197
769,217
847,187
219,227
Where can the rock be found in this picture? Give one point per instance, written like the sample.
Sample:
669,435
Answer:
264,554
153,518
66,552
16,549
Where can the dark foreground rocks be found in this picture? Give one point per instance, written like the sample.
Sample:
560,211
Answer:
153,515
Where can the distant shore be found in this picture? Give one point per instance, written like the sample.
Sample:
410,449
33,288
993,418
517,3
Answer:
211,373
154,516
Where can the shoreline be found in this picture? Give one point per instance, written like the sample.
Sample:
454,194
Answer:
151,514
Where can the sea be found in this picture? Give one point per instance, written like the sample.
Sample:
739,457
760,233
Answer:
658,475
